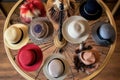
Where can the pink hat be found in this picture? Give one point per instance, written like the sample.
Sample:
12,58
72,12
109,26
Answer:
30,57
89,57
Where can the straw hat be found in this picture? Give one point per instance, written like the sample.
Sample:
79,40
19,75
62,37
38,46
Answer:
30,57
75,29
40,30
16,36
56,67
89,57
91,10
103,34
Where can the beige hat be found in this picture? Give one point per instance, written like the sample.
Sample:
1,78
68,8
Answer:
56,67
75,29
89,57
16,36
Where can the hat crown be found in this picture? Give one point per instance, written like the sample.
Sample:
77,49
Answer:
76,29
91,7
88,57
56,68
38,28
27,57
106,31
13,34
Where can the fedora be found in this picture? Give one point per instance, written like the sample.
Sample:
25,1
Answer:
91,10
103,33
75,29
30,57
40,30
31,9
56,67
16,36
89,57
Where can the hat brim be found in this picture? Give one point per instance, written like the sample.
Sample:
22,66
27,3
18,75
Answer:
95,36
65,30
45,68
39,58
48,33
90,17
23,41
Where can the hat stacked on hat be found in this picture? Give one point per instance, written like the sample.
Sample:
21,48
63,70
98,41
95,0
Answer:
103,34
16,36
40,30
31,9
30,57
91,10
56,67
75,29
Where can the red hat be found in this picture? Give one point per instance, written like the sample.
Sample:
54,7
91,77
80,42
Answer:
30,57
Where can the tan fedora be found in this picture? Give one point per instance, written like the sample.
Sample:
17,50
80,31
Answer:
16,36
89,57
75,29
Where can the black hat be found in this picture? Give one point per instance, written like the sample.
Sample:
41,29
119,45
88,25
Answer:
91,10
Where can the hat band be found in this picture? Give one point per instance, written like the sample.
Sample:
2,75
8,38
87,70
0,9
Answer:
90,13
62,63
98,33
20,37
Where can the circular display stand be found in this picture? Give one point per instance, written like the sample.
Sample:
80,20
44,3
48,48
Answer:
49,47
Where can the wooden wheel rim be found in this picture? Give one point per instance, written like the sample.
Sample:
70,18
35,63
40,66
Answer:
110,52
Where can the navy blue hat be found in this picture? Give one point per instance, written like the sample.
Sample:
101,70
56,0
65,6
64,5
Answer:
91,10
103,33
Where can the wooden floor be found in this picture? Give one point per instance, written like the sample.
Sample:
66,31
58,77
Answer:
110,72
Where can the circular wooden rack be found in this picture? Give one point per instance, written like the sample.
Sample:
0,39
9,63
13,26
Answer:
69,49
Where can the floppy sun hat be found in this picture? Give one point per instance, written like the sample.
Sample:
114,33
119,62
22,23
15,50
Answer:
40,30
75,29
30,57
91,10
103,33
89,57
16,36
56,67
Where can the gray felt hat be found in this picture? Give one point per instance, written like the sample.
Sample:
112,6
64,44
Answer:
103,33
40,30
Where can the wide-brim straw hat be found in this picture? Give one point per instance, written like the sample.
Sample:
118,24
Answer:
16,36
103,34
75,29
89,57
47,62
45,33
30,57
91,10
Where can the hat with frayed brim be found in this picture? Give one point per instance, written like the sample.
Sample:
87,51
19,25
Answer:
16,36
40,30
75,29
103,34
47,63
30,57
91,10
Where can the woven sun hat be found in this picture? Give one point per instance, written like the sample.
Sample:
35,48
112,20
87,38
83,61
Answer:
40,30
103,33
91,10
16,36
56,67
89,57
30,57
75,29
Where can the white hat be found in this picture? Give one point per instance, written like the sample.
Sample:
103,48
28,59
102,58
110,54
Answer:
16,36
56,67
75,29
